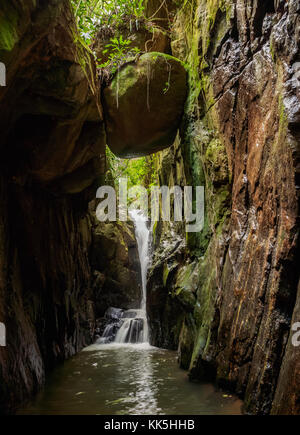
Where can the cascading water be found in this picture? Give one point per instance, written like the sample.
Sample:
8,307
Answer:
112,324
131,326
128,376
134,328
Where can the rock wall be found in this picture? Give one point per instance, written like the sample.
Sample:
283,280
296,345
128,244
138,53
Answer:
227,297
51,145
59,267
116,266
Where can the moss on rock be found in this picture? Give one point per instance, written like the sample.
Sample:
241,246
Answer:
144,104
8,27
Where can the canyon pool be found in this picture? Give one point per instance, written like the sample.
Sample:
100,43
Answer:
127,379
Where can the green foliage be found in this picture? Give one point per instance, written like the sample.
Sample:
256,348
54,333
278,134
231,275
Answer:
94,14
118,45
119,52
87,15
139,171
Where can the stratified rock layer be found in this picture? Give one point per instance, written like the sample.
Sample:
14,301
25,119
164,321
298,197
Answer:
144,105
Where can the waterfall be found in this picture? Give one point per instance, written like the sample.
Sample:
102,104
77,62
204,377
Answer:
131,326
142,237
134,328
113,318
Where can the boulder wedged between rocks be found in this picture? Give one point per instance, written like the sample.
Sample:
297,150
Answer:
143,105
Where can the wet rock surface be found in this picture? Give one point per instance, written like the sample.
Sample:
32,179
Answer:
52,140
242,142
59,269
116,265
108,325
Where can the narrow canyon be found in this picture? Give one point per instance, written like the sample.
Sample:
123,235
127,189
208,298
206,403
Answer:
183,93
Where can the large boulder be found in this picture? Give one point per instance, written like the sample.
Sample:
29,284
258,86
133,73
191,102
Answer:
144,104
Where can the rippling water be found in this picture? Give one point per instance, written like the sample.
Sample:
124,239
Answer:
131,379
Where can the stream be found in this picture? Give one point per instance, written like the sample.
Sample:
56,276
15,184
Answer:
122,374
118,379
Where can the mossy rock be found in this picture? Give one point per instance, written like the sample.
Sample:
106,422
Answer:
144,104
8,27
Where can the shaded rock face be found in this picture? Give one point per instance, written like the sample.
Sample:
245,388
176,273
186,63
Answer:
241,141
51,143
142,114
116,265
59,270
45,294
164,313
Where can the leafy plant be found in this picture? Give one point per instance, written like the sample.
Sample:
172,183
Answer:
139,171
92,14
136,8
87,14
118,45
119,51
